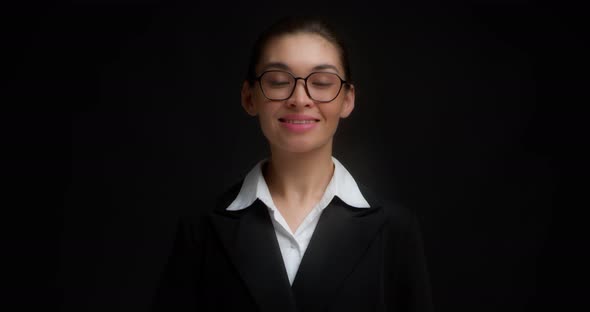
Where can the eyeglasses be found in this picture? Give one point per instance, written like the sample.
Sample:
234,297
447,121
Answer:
278,85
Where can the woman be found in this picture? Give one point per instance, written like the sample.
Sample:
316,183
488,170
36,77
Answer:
298,233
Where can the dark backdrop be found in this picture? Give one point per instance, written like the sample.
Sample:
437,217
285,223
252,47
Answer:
125,116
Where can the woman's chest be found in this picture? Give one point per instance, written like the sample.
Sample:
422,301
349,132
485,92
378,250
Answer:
333,272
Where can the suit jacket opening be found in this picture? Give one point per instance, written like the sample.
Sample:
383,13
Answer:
357,260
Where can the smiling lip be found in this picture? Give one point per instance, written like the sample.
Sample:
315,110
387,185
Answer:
298,123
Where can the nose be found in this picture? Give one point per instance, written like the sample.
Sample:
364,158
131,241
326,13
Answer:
299,96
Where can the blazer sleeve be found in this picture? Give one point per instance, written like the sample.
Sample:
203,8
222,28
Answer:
177,289
407,285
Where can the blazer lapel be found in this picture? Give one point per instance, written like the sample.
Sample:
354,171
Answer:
250,241
342,235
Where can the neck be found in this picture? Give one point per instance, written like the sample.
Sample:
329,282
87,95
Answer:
299,177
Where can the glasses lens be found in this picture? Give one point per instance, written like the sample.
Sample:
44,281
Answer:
323,87
277,85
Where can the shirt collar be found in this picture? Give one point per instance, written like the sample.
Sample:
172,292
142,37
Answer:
342,185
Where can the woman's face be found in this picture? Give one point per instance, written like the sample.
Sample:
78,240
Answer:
299,54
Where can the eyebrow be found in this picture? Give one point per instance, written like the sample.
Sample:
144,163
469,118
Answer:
326,66
284,66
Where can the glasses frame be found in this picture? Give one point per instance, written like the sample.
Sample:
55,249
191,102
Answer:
342,82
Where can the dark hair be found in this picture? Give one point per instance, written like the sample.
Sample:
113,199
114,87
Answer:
293,25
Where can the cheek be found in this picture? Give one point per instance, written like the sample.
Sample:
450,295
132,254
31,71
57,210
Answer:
266,118
263,106
332,113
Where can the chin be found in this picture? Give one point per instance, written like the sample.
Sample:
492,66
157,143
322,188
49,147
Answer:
300,146
298,149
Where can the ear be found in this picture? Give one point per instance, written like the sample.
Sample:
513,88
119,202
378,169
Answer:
348,102
247,99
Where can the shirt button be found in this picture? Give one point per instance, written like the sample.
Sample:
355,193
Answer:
292,246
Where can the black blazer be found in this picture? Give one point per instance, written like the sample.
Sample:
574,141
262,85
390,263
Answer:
357,260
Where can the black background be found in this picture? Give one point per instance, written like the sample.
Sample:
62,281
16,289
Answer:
124,115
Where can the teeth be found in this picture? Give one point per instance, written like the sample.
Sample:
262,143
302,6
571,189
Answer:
300,121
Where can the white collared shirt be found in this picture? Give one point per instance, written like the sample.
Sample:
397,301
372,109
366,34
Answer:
293,245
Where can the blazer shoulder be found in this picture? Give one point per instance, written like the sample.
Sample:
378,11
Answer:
218,202
406,264
396,213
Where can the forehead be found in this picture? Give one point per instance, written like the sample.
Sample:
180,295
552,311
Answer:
301,52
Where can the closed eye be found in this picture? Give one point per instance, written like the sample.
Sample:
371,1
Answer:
322,84
279,83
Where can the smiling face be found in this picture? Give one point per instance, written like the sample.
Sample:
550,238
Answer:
299,124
